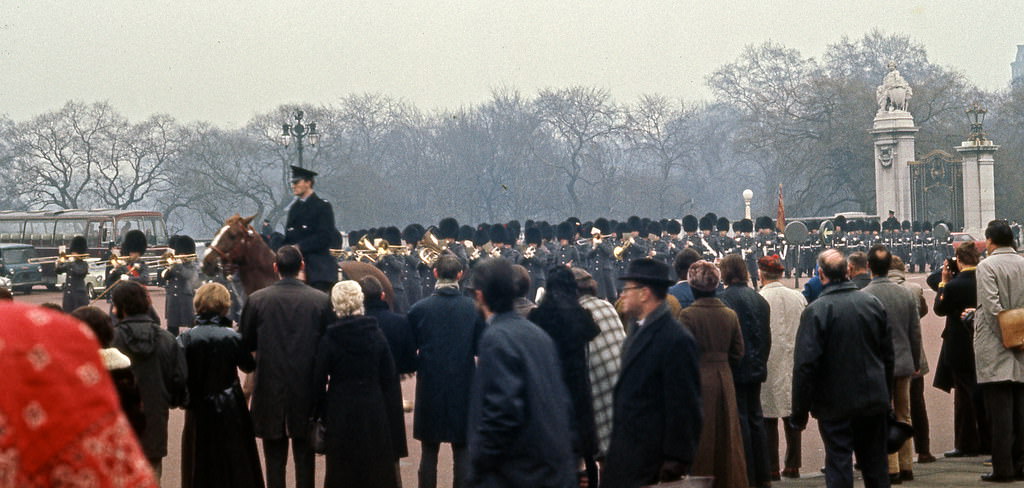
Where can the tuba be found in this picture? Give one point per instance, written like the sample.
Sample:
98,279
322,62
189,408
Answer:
429,249
620,251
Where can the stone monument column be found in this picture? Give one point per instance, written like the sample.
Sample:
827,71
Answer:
979,184
893,132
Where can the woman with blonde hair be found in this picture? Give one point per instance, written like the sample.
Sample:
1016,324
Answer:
358,397
218,446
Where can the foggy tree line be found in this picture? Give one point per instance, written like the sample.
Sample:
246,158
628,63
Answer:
777,116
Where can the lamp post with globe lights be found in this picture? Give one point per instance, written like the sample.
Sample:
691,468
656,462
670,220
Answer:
299,131
748,195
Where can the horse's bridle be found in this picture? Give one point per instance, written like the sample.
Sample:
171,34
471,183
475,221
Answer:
231,258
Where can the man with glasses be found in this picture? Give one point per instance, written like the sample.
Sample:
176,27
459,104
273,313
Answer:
311,227
656,405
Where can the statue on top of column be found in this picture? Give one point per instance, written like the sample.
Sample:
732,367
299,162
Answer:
894,93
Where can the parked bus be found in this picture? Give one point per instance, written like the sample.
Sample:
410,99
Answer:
47,230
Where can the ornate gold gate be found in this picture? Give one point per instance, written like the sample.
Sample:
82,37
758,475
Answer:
937,188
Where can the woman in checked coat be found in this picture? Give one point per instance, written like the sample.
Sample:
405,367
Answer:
720,342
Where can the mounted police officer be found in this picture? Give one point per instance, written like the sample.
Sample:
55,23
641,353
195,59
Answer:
310,226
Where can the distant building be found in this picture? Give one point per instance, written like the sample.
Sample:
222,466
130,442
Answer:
1017,67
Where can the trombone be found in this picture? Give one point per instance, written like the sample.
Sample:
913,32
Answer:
60,258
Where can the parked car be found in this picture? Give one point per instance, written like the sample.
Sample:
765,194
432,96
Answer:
962,237
94,281
20,273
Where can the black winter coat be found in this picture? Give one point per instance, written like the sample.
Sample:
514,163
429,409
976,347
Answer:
657,403
310,226
158,363
956,358
571,327
519,417
283,323
844,356
218,446
755,323
447,326
361,405
75,293
399,334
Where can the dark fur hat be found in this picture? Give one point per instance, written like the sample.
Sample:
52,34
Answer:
621,229
916,226
513,228
603,224
481,237
672,226
448,228
78,245
634,224
498,234
134,241
465,233
722,224
840,221
876,226
926,226
654,228
412,233
763,222
905,225
746,225
706,223
690,223
532,235
393,236
184,245
566,230
546,230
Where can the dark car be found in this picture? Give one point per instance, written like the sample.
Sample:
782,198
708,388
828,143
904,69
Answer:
15,269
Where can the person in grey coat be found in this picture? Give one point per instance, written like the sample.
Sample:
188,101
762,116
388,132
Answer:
1000,370
519,410
282,324
446,326
901,313
75,293
181,276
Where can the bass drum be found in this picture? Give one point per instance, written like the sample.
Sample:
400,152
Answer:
796,233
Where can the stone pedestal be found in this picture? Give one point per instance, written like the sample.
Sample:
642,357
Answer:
893,132
979,185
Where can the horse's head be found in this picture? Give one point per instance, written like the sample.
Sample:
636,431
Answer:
227,245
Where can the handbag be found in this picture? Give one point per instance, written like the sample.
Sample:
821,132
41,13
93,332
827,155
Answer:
318,436
1011,324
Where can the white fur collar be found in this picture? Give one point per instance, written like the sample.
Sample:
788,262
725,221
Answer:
114,359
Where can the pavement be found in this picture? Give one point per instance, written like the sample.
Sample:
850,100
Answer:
943,473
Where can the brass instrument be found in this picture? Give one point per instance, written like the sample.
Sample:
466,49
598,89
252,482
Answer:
398,250
364,249
430,249
60,258
530,251
494,251
620,251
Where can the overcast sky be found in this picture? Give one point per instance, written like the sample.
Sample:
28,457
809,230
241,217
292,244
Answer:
224,61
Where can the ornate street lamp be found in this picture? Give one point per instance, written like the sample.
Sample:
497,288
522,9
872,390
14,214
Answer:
976,116
299,131
748,195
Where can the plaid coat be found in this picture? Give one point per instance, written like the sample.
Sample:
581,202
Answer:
603,356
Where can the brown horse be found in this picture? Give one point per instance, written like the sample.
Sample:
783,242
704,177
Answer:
237,246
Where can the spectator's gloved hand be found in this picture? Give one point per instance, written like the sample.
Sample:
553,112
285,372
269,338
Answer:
671,470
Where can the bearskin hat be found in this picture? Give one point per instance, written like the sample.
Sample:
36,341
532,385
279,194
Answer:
393,236
603,225
746,225
481,237
654,228
513,228
184,245
412,233
690,223
905,225
876,226
722,224
621,229
585,228
672,227
763,222
498,234
916,226
840,221
634,224
448,228
533,236
465,233
566,230
173,241
854,225
529,223
926,226
79,245
134,242
706,223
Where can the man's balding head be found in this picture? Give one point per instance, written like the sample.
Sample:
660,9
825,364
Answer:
833,266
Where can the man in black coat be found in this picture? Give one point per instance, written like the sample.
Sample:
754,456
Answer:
181,276
447,327
311,227
657,406
282,324
842,370
75,292
519,413
397,331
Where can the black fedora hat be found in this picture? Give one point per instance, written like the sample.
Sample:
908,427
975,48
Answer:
647,270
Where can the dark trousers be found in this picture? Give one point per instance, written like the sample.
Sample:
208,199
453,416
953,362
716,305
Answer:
1004,402
428,464
793,442
863,436
755,442
919,416
970,423
276,453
